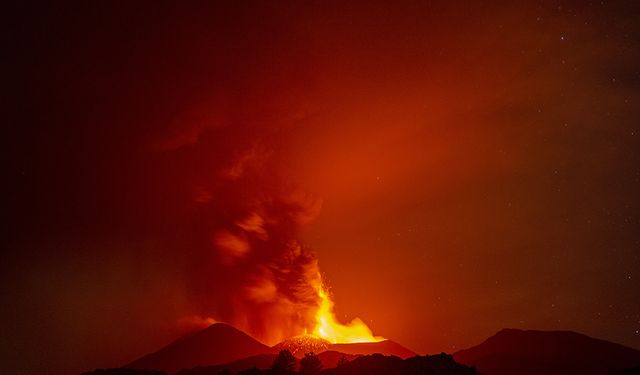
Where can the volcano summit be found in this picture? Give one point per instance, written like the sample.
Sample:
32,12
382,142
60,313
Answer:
221,343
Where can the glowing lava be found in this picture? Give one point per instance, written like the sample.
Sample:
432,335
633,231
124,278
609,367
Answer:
328,328
300,345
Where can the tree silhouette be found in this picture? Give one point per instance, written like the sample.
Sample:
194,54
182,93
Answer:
342,361
285,362
310,364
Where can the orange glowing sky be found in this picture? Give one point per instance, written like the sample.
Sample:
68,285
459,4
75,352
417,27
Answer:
455,169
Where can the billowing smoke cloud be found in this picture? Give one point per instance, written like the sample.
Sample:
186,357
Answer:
249,269
274,278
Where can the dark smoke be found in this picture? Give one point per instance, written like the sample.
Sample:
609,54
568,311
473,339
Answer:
249,267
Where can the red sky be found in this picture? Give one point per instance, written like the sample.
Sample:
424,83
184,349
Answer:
457,169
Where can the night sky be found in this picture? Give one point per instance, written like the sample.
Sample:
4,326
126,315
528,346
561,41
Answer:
453,169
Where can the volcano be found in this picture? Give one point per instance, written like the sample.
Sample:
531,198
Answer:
224,346
218,343
513,351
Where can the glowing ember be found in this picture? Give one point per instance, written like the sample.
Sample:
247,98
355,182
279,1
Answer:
300,345
328,328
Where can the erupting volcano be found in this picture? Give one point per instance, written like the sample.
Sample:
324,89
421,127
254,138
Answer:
223,345
213,181
262,279
328,330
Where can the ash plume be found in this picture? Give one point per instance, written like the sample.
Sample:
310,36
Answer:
248,267
274,277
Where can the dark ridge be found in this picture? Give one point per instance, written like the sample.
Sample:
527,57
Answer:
375,364
386,347
513,351
218,343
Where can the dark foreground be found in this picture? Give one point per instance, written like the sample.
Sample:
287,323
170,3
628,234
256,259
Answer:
376,364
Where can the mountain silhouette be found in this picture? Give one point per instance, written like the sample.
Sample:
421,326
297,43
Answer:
329,354
218,343
513,351
386,347
222,344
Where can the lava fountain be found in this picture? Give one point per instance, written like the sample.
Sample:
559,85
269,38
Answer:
328,328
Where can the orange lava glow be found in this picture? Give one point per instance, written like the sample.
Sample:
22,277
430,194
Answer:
328,328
